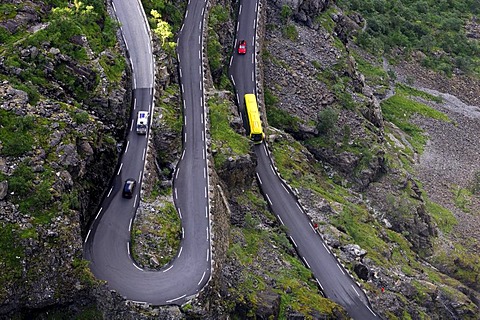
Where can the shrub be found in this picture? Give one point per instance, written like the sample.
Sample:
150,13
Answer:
327,119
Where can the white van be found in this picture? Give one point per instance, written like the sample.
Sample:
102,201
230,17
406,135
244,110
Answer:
142,122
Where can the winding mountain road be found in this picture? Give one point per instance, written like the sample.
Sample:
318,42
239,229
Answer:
332,278
107,245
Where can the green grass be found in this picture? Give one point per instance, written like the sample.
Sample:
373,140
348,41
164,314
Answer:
222,134
400,109
171,111
462,198
114,67
435,28
16,134
165,224
11,257
443,217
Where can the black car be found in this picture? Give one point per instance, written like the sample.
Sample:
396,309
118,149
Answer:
128,188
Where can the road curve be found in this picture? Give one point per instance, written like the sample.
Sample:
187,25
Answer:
332,278
107,245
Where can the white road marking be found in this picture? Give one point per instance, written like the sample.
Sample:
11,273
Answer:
135,202
284,188
273,170
168,268
96,217
176,195
200,25
186,13
199,39
143,156
201,278
260,180
176,174
134,103
253,26
231,60
180,73
294,243
201,118
240,11
200,72
183,154
120,169
180,213
355,290
321,287
183,89
185,137
183,233
238,24
268,198
180,252
203,136
185,120
126,148
208,253
200,85
131,127
299,208
371,311
203,154
281,221
140,176
138,269
233,81
88,234
325,247
203,10
312,228
340,268
109,192
168,301
253,76
128,248
306,262
205,192
206,212
130,225
204,172
206,229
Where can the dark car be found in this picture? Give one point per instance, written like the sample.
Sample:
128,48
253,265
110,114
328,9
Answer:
242,47
128,188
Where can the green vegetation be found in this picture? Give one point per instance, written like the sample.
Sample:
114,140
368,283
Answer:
400,109
217,57
252,249
277,117
67,25
443,217
170,10
16,133
163,30
462,198
327,121
11,257
223,136
161,232
437,28
171,109
289,30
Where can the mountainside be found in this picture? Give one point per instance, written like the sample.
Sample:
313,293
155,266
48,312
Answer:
372,127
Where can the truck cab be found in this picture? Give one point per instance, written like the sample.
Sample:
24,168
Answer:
142,122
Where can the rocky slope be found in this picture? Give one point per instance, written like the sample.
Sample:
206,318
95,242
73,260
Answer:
356,174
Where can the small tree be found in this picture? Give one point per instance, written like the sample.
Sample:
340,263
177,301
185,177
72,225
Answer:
327,119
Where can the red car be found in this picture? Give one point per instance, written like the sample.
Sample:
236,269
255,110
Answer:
242,47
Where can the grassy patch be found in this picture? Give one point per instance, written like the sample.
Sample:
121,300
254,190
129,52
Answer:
11,257
400,109
161,232
443,217
114,67
170,109
223,135
462,198
16,133
277,117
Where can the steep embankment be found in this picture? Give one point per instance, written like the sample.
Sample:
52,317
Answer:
63,102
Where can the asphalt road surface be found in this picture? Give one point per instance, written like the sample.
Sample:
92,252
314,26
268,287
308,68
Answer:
331,277
107,245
